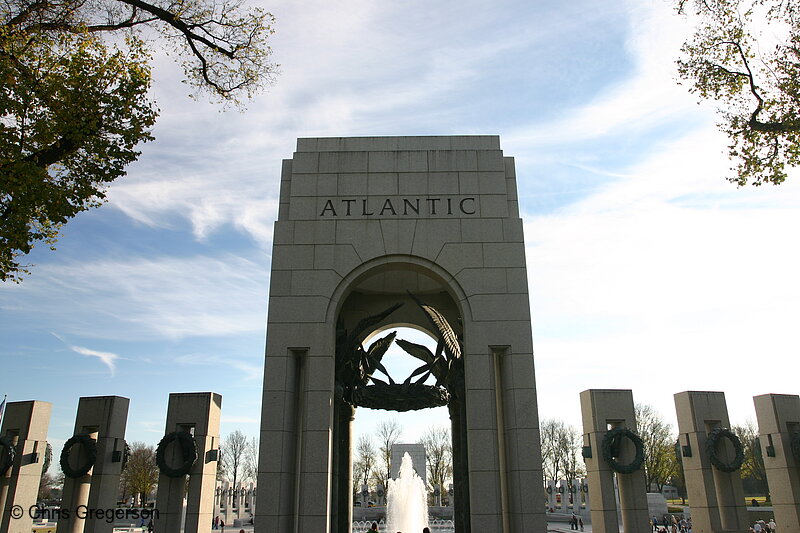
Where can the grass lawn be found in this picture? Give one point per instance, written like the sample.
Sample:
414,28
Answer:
762,500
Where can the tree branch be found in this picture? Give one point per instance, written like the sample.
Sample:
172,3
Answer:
753,122
22,15
180,25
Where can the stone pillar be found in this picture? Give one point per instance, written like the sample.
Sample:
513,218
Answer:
575,495
251,499
237,499
198,414
563,494
778,424
716,497
604,410
223,502
342,497
226,502
551,494
585,487
102,419
381,493
24,429
217,497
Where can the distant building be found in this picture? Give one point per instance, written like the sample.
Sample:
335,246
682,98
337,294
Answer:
668,491
417,453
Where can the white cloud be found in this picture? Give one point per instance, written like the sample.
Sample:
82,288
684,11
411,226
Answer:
209,199
648,97
107,358
667,279
354,73
138,299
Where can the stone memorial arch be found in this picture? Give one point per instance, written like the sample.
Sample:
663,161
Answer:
379,232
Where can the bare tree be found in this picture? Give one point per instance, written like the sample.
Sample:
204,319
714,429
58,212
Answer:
388,433
439,456
376,477
234,457
574,467
46,485
660,463
140,476
560,445
366,458
250,461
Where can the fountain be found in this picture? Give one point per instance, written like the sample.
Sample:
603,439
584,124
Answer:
406,502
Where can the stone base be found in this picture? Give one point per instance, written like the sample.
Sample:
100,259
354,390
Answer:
656,504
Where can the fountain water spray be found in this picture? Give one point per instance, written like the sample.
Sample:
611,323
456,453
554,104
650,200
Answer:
406,500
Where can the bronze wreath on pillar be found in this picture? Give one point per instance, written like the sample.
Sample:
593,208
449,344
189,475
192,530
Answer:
8,454
89,445
610,449
713,441
126,454
795,442
188,448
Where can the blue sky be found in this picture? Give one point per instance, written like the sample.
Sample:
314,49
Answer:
647,269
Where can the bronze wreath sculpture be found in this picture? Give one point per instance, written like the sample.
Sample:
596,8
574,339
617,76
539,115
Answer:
795,442
188,449
713,441
90,447
8,455
610,449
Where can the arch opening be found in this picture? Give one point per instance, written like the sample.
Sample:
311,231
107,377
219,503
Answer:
376,301
429,427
